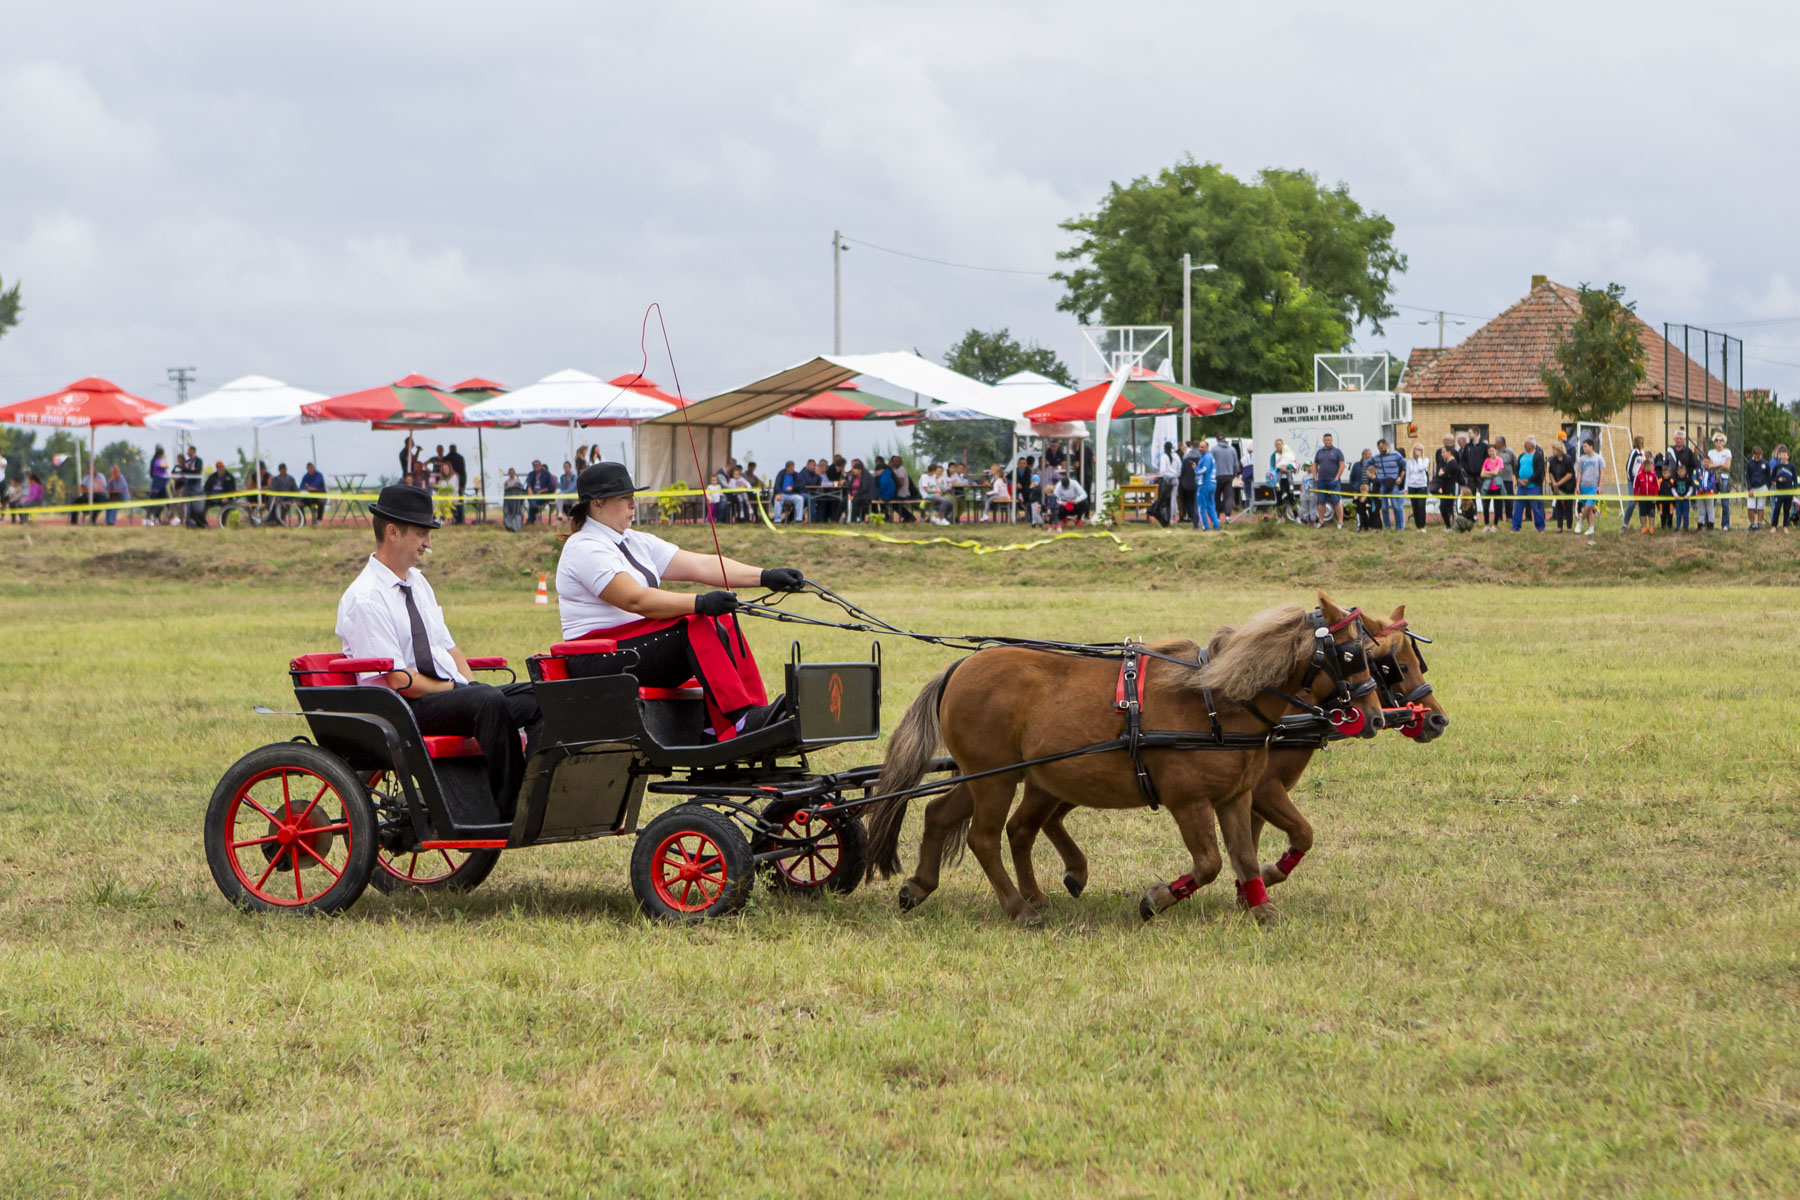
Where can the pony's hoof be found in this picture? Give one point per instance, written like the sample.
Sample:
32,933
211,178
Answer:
1268,914
1074,886
1031,918
906,899
1146,910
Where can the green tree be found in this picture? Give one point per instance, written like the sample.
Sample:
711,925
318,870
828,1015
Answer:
1297,267
10,308
130,461
1600,360
1767,423
989,357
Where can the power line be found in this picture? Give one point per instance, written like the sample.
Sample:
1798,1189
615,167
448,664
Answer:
1434,310
946,263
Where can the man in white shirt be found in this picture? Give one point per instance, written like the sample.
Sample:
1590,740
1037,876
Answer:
389,611
1068,501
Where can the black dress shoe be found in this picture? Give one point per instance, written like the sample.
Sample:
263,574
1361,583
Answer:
764,715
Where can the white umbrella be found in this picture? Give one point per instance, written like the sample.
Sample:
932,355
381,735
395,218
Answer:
572,397
252,401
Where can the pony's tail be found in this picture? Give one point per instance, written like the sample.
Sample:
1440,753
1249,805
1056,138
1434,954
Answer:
909,753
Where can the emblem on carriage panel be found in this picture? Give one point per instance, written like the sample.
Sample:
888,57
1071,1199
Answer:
837,697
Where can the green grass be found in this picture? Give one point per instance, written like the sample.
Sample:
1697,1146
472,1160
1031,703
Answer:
1553,953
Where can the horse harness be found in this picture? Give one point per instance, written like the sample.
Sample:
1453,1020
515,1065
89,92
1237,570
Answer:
1339,661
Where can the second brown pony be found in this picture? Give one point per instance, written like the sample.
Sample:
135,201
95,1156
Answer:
1010,705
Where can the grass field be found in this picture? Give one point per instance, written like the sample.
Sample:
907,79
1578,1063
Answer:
1556,952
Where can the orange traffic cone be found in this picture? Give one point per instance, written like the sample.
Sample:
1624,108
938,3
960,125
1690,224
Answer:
543,596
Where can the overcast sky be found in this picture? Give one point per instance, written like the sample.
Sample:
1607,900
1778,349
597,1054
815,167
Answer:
337,194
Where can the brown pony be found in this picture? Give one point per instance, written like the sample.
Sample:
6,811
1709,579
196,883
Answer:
1270,801
1008,705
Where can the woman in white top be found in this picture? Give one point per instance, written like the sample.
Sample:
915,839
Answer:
1418,483
608,585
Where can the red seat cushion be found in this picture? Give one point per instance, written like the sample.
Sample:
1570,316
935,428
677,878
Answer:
691,690
310,671
448,745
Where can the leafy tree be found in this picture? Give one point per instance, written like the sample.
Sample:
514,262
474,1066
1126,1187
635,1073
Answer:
130,461
1767,423
1298,266
989,357
10,308
1600,360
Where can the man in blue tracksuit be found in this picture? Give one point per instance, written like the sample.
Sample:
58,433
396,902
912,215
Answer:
1385,472
1206,501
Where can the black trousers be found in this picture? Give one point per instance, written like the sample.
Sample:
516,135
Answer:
1417,496
492,716
664,659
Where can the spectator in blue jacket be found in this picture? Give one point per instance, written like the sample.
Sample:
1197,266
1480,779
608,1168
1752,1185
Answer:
1386,472
1756,482
789,493
1530,470
1328,466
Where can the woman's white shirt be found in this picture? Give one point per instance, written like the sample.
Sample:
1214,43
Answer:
590,559
1418,472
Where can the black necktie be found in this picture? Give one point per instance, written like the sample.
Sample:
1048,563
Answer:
650,579
421,643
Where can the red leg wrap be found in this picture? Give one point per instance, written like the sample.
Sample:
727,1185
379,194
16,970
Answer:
1254,892
1184,887
1287,862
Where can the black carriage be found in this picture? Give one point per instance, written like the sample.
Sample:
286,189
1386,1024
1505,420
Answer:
306,825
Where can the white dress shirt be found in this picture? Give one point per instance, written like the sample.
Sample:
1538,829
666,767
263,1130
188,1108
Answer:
590,559
372,622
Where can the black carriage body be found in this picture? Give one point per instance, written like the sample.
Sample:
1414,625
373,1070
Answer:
601,742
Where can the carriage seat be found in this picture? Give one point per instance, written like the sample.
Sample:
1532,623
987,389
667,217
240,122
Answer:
332,669
554,665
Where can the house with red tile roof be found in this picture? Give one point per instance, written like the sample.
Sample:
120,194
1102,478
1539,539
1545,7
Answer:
1491,379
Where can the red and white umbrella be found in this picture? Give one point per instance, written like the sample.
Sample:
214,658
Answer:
85,404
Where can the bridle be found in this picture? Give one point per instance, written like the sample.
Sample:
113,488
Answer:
1337,661
1387,672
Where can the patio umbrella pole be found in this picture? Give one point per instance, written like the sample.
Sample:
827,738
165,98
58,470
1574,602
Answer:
481,458
256,461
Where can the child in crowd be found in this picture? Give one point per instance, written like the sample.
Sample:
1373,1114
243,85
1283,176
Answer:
1309,496
1644,487
1756,482
1665,489
1365,509
1782,480
1706,484
1681,487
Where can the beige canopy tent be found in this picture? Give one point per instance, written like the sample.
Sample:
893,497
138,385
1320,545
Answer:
663,455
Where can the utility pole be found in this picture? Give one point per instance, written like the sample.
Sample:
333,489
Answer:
1441,322
838,250
181,377
1187,327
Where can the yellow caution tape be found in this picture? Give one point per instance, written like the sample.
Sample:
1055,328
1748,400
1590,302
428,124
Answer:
964,544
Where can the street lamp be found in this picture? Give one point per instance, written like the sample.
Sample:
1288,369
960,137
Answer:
1187,323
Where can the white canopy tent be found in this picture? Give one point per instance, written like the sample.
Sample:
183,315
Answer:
251,401
568,396
663,454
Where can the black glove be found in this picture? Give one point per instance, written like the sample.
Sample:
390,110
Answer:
783,579
715,604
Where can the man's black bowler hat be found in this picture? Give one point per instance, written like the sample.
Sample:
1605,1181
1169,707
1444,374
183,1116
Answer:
405,503
603,481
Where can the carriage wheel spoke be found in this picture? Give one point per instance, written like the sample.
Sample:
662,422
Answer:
448,861
251,801
255,841
299,884
323,788
301,842
268,871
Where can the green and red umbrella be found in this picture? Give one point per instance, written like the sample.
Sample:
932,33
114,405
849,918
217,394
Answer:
414,402
644,387
1140,397
845,403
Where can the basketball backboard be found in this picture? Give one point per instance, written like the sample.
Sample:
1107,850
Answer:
1106,348
1350,372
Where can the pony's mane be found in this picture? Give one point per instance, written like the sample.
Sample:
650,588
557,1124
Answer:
1244,660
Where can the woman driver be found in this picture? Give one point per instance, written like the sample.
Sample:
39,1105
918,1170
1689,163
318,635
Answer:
608,586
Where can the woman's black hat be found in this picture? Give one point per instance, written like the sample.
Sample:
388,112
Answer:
603,481
407,504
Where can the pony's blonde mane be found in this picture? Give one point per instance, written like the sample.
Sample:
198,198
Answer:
1259,654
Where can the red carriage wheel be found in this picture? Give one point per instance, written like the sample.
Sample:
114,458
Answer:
289,829
835,858
689,864
401,869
